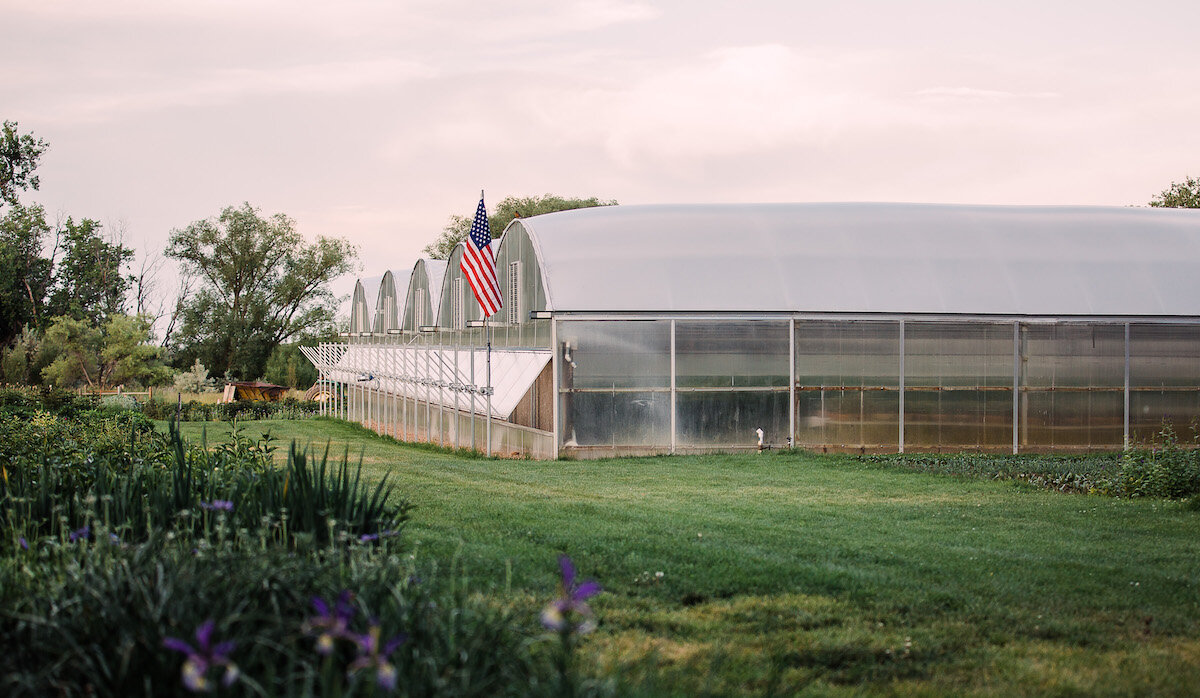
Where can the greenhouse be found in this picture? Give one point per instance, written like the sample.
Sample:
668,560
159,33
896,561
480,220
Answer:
834,327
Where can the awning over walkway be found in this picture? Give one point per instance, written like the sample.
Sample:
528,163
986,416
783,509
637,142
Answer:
440,375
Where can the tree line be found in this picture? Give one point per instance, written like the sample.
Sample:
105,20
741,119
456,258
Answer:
73,313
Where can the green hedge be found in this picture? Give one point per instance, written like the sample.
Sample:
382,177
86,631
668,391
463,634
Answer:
193,411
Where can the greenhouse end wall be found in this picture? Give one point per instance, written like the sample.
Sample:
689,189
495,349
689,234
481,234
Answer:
690,385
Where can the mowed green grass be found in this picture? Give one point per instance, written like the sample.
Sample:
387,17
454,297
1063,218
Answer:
789,573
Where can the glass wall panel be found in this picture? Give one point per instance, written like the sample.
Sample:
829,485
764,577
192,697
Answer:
848,419
847,353
617,419
958,385
617,354
729,419
1164,379
1072,379
736,353
847,381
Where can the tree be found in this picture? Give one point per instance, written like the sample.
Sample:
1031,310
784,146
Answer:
509,208
128,357
1184,194
260,285
288,367
75,347
19,155
23,360
117,353
89,283
26,274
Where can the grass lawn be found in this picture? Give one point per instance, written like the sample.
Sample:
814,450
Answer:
790,572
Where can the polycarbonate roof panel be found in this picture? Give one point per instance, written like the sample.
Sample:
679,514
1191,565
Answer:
871,258
435,271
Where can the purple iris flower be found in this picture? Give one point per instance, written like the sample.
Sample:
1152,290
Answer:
371,655
331,624
217,505
571,601
84,533
202,657
23,543
368,537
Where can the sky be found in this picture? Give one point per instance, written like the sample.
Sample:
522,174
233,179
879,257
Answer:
376,121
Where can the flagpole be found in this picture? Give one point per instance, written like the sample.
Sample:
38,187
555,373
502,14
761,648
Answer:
487,330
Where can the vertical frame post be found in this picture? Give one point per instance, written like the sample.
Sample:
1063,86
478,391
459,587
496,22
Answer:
1016,384
901,409
555,367
673,395
792,382
1126,428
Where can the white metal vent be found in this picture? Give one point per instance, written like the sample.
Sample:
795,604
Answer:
457,305
419,309
514,292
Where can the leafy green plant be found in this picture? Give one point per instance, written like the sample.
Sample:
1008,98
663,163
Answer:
1061,472
195,411
1167,468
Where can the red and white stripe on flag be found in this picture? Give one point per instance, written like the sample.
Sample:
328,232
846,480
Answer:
479,264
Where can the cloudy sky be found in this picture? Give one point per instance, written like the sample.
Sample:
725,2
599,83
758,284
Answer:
376,120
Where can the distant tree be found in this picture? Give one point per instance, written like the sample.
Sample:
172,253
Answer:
287,366
89,279
24,273
118,353
1185,194
508,209
19,155
259,285
75,347
129,355
22,361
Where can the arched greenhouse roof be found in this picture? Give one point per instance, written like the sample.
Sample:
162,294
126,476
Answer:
390,301
427,276
871,258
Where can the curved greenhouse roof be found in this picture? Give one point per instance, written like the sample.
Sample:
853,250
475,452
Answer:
871,258
390,305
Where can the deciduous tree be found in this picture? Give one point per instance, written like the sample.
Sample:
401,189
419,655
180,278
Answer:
19,155
24,273
1185,194
118,353
508,209
260,284
89,279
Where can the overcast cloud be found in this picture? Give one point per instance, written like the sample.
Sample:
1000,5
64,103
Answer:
377,120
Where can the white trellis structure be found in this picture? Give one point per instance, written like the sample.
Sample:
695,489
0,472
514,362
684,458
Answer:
414,390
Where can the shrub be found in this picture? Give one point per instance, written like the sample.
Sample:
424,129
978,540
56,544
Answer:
119,402
194,380
1165,469
194,411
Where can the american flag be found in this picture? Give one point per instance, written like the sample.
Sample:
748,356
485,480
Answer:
479,264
